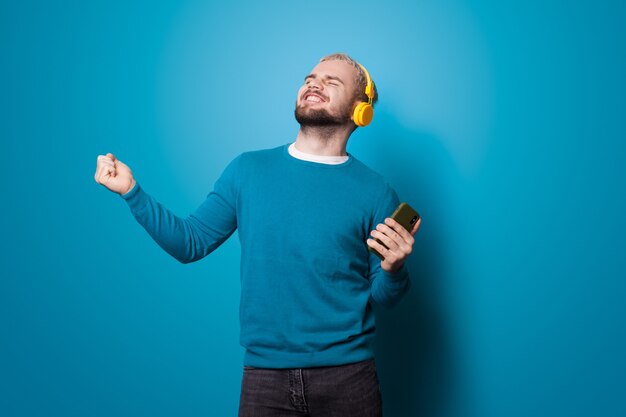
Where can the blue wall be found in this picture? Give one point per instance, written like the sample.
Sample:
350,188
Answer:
503,124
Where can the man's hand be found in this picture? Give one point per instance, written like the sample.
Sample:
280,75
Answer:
398,242
114,174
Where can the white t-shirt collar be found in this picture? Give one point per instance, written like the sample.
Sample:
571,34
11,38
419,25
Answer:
322,159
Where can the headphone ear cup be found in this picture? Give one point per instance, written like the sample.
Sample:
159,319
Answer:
363,114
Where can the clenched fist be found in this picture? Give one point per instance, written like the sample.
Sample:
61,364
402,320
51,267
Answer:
114,174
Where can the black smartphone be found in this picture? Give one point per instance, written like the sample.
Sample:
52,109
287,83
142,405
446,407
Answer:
406,216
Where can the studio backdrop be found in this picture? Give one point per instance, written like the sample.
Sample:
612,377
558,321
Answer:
502,123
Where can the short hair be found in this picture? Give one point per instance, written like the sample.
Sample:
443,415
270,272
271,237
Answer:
361,78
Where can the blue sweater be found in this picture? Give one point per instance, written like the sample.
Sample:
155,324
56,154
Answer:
307,277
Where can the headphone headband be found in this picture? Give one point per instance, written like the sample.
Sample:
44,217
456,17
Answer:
369,90
364,111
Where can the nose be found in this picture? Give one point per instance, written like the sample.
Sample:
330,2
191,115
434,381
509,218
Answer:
314,84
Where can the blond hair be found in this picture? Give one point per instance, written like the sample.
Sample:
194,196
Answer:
361,78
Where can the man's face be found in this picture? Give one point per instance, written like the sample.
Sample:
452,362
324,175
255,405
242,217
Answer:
327,96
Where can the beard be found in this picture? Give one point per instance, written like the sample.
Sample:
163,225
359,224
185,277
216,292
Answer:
319,117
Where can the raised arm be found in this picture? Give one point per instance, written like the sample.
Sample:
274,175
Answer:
186,239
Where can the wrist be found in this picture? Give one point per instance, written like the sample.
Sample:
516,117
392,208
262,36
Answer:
130,187
394,269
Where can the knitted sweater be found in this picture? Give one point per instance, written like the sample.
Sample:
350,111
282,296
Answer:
307,277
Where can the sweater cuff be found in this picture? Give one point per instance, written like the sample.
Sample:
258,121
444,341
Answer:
136,197
398,277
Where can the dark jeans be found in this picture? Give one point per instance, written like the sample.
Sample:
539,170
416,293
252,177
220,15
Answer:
331,391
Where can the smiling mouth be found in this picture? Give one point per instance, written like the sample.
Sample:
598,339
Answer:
313,98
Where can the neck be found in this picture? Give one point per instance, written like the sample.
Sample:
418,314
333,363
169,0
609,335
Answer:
323,140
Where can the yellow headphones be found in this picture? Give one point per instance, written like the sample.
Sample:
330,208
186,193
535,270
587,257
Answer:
364,112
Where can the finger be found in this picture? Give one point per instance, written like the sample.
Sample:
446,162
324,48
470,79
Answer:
106,172
98,174
391,233
106,161
110,155
406,236
102,165
386,240
379,248
106,157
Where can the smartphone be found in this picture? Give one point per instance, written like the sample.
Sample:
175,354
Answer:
406,216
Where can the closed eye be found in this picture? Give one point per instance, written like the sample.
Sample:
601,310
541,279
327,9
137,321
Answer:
329,79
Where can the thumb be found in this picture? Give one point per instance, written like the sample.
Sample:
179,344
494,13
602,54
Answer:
416,227
120,164
110,155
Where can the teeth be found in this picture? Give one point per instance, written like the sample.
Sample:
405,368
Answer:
314,98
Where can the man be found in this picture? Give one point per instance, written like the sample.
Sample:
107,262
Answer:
303,211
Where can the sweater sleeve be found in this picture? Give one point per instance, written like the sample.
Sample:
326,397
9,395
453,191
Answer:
387,288
194,237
